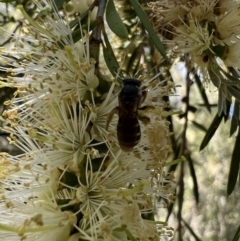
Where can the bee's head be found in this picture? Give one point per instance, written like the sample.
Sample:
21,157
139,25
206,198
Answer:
132,82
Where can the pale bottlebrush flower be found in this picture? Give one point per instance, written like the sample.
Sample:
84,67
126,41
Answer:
174,12
193,39
202,9
200,28
48,68
227,25
231,56
224,6
37,220
81,6
72,181
168,11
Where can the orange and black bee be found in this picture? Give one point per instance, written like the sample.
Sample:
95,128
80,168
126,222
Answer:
129,101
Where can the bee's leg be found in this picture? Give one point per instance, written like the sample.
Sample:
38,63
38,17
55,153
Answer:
145,120
142,113
144,95
110,116
143,108
146,107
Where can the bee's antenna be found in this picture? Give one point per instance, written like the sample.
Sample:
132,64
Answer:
136,75
154,77
119,76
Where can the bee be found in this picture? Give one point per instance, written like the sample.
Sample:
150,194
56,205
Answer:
129,101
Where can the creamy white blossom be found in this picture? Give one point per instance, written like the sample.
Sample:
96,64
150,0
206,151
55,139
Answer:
72,180
205,36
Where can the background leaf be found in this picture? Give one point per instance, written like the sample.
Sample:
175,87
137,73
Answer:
202,92
194,178
145,21
211,130
235,118
115,23
109,57
234,167
191,231
237,235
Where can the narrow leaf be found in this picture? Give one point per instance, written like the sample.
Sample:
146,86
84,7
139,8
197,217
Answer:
148,216
194,178
114,21
214,77
191,231
202,92
170,210
221,100
199,126
77,34
237,235
145,21
109,56
46,10
235,118
228,108
180,196
227,82
234,91
135,59
234,166
211,130
230,77
82,17
130,236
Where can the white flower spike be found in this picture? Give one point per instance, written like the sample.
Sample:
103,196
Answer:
72,181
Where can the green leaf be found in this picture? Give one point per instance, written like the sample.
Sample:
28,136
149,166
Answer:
199,126
237,235
170,210
134,61
129,235
214,77
234,92
180,196
230,77
191,231
96,163
148,216
69,179
194,178
221,100
77,34
109,57
103,86
228,107
211,130
219,50
45,11
115,22
145,21
234,166
82,17
235,118
202,92
227,82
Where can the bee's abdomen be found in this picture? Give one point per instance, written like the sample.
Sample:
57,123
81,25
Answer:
128,132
